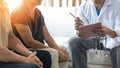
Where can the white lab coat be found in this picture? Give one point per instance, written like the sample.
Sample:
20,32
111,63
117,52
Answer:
109,16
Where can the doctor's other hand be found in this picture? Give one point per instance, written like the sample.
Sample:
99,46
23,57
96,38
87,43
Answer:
107,31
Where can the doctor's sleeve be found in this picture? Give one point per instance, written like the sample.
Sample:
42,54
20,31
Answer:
117,24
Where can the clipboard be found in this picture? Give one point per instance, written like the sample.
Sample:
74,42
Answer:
87,31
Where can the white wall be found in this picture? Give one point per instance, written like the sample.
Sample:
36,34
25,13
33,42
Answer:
59,22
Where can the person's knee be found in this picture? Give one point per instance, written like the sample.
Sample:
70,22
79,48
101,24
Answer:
54,57
47,54
53,52
43,53
73,41
44,56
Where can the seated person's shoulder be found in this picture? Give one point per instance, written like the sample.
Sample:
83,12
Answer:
38,12
19,16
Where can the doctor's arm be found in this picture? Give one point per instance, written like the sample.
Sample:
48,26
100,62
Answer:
117,24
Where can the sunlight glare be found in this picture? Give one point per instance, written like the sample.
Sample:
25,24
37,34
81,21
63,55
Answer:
12,4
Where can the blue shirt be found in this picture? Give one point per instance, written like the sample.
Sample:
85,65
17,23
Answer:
97,11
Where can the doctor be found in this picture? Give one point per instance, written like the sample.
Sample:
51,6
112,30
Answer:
93,11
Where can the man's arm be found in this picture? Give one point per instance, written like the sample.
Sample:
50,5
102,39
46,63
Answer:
63,54
16,45
9,56
26,35
48,38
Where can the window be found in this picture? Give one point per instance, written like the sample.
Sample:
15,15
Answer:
61,3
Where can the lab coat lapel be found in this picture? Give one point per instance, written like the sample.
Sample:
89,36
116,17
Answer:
104,8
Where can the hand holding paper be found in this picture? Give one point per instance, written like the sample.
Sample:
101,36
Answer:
90,30
107,31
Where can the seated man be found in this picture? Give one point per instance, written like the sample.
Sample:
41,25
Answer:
94,11
13,54
28,25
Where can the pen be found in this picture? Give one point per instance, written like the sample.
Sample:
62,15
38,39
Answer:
75,17
72,15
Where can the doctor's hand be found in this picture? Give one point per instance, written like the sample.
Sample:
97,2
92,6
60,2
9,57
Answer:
78,23
107,31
